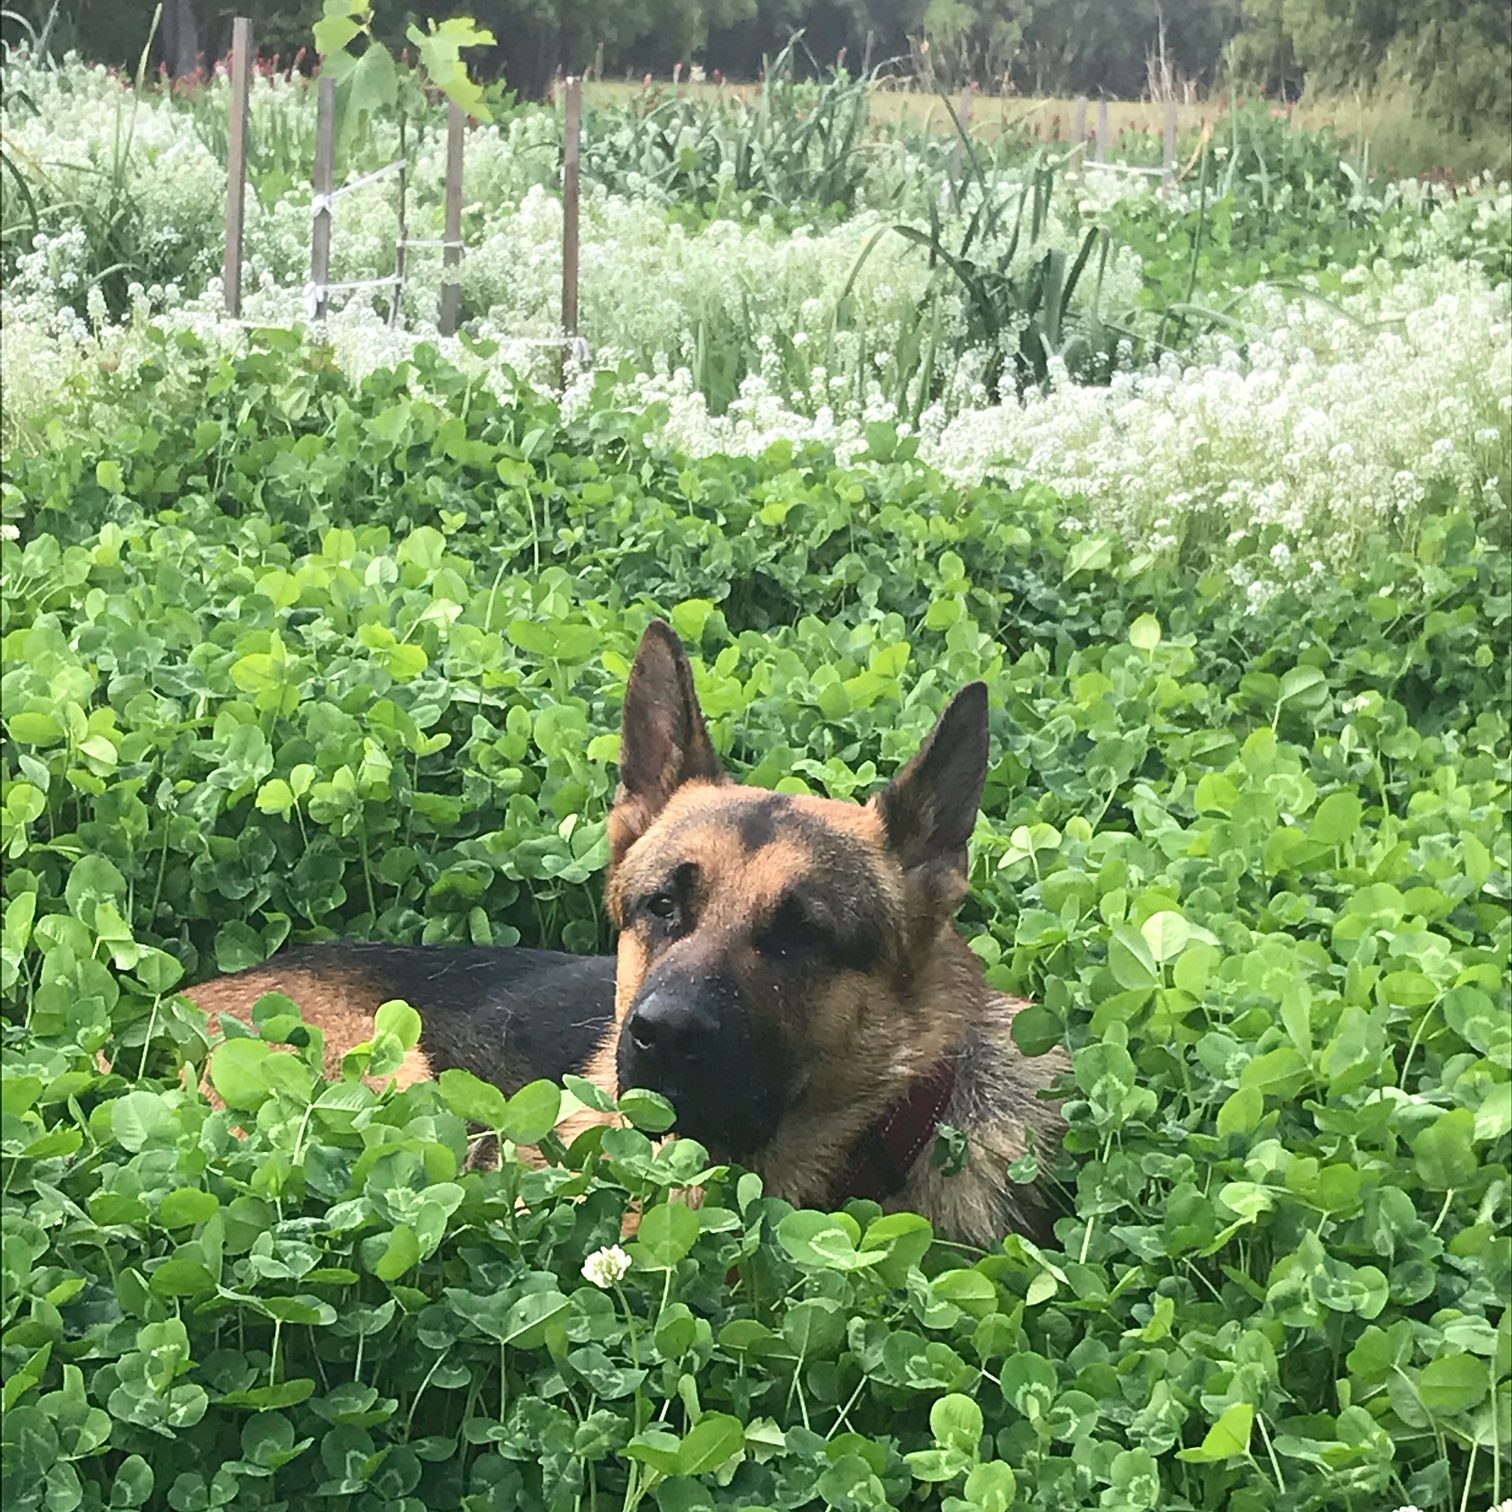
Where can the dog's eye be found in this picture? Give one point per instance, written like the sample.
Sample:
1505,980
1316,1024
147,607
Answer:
791,928
662,906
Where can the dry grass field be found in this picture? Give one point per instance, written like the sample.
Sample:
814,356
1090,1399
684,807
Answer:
1384,130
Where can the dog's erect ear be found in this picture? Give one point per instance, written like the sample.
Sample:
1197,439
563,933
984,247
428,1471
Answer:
663,739
929,809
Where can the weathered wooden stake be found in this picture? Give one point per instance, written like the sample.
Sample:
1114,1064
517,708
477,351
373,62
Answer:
236,161
1170,142
963,114
325,182
401,244
451,253
571,132
1100,149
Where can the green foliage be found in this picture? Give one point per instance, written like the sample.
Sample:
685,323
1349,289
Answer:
368,81
1457,54
1032,303
303,657
115,231
795,152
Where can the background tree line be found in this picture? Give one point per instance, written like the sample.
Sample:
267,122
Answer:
1455,55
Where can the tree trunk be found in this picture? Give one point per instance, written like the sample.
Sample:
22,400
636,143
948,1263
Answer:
181,38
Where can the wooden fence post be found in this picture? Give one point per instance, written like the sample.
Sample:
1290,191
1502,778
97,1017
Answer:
451,253
571,132
325,182
1079,125
401,242
236,162
1170,141
1100,150
963,115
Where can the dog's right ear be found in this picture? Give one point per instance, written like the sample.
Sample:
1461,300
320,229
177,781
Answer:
664,742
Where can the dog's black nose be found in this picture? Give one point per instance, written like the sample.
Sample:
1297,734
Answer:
669,1030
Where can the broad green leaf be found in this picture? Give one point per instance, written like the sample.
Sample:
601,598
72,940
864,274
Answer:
589,1094
186,1207
139,1119
1091,554
1494,1116
1277,1073
712,1440
238,1072
666,1234
956,1422
34,728
1241,1111
472,1098
657,1448
1131,960
400,1020
991,1487
1229,1436
1444,1151
648,1111
1298,681
402,1253
1453,1383
822,1241
532,1113
1166,933
1336,820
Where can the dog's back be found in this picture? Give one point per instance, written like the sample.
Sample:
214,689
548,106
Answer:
508,1014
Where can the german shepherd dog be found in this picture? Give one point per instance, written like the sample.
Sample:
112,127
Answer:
788,975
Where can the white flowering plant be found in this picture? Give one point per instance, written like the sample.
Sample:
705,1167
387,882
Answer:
606,1267
125,186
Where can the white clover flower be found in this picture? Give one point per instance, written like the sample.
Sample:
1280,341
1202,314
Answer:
606,1267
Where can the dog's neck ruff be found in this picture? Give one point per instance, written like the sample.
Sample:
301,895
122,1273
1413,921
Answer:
883,1157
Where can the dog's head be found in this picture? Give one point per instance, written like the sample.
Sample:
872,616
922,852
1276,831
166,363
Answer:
766,939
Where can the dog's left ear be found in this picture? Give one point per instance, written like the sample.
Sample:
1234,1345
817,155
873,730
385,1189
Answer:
664,741
929,809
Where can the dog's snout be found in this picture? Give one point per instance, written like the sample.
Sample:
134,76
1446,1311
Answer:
688,1038
670,1028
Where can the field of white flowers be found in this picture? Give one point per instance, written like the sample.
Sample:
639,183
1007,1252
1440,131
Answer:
1271,349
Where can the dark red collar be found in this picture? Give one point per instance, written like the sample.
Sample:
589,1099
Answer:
885,1154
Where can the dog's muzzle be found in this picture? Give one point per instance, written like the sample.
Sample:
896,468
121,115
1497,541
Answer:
690,1042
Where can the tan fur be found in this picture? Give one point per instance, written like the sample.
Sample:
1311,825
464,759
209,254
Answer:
996,1105
343,1007
862,1067
867,1057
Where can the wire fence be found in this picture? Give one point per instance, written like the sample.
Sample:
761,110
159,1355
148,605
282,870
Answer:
320,286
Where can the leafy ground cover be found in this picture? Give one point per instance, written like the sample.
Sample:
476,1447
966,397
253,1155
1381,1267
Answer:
312,655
